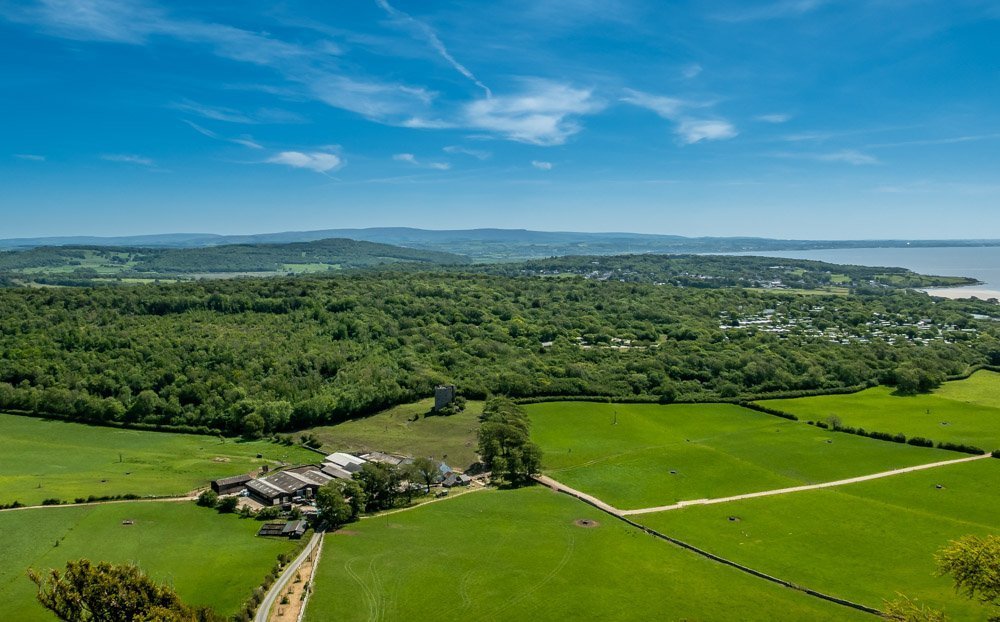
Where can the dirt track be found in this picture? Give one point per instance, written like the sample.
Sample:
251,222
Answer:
555,485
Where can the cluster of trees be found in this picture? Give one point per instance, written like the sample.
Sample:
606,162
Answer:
106,592
505,445
260,356
374,488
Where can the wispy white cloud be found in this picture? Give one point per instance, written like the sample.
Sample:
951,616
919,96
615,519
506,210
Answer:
953,140
542,166
409,158
667,107
128,158
696,130
311,67
245,140
844,156
318,161
774,118
479,154
435,42
231,115
689,129
848,156
691,71
543,113
32,157
773,10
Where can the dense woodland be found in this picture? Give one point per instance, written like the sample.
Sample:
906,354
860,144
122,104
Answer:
255,356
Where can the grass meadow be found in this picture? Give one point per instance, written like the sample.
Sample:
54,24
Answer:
44,459
211,559
963,411
518,555
405,429
645,455
866,542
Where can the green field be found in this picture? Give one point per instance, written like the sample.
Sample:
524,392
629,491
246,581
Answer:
44,459
657,455
865,542
516,555
963,411
451,439
211,559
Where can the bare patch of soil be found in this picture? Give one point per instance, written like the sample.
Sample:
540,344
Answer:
586,523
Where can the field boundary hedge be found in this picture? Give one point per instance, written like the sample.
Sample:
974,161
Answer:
728,562
899,437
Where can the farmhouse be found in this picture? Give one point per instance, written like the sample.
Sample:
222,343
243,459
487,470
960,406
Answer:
229,485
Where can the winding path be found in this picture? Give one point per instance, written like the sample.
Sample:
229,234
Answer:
556,485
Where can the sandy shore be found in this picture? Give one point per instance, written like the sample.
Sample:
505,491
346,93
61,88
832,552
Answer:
963,292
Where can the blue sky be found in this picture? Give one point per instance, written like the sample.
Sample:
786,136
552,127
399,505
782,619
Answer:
779,118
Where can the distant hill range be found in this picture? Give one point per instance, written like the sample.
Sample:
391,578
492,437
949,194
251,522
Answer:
72,263
489,244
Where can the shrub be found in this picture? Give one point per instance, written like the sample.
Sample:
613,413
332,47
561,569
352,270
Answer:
227,505
208,499
966,449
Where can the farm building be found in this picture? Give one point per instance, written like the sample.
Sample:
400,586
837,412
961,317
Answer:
229,485
271,529
347,462
283,486
384,458
335,471
456,479
292,529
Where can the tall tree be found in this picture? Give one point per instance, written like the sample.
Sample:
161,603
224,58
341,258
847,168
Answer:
974,563
504,442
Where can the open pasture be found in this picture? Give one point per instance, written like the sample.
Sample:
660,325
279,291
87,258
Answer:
964,411
529,554
645,455
45,459
407,429
210,559
867,542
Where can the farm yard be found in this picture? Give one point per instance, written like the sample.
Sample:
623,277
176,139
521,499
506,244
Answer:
964,411
532,554
643,455
50,459
867,542
209,558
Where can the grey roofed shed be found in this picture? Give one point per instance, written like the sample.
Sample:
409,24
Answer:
226,485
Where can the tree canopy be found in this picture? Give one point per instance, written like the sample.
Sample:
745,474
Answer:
105,592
